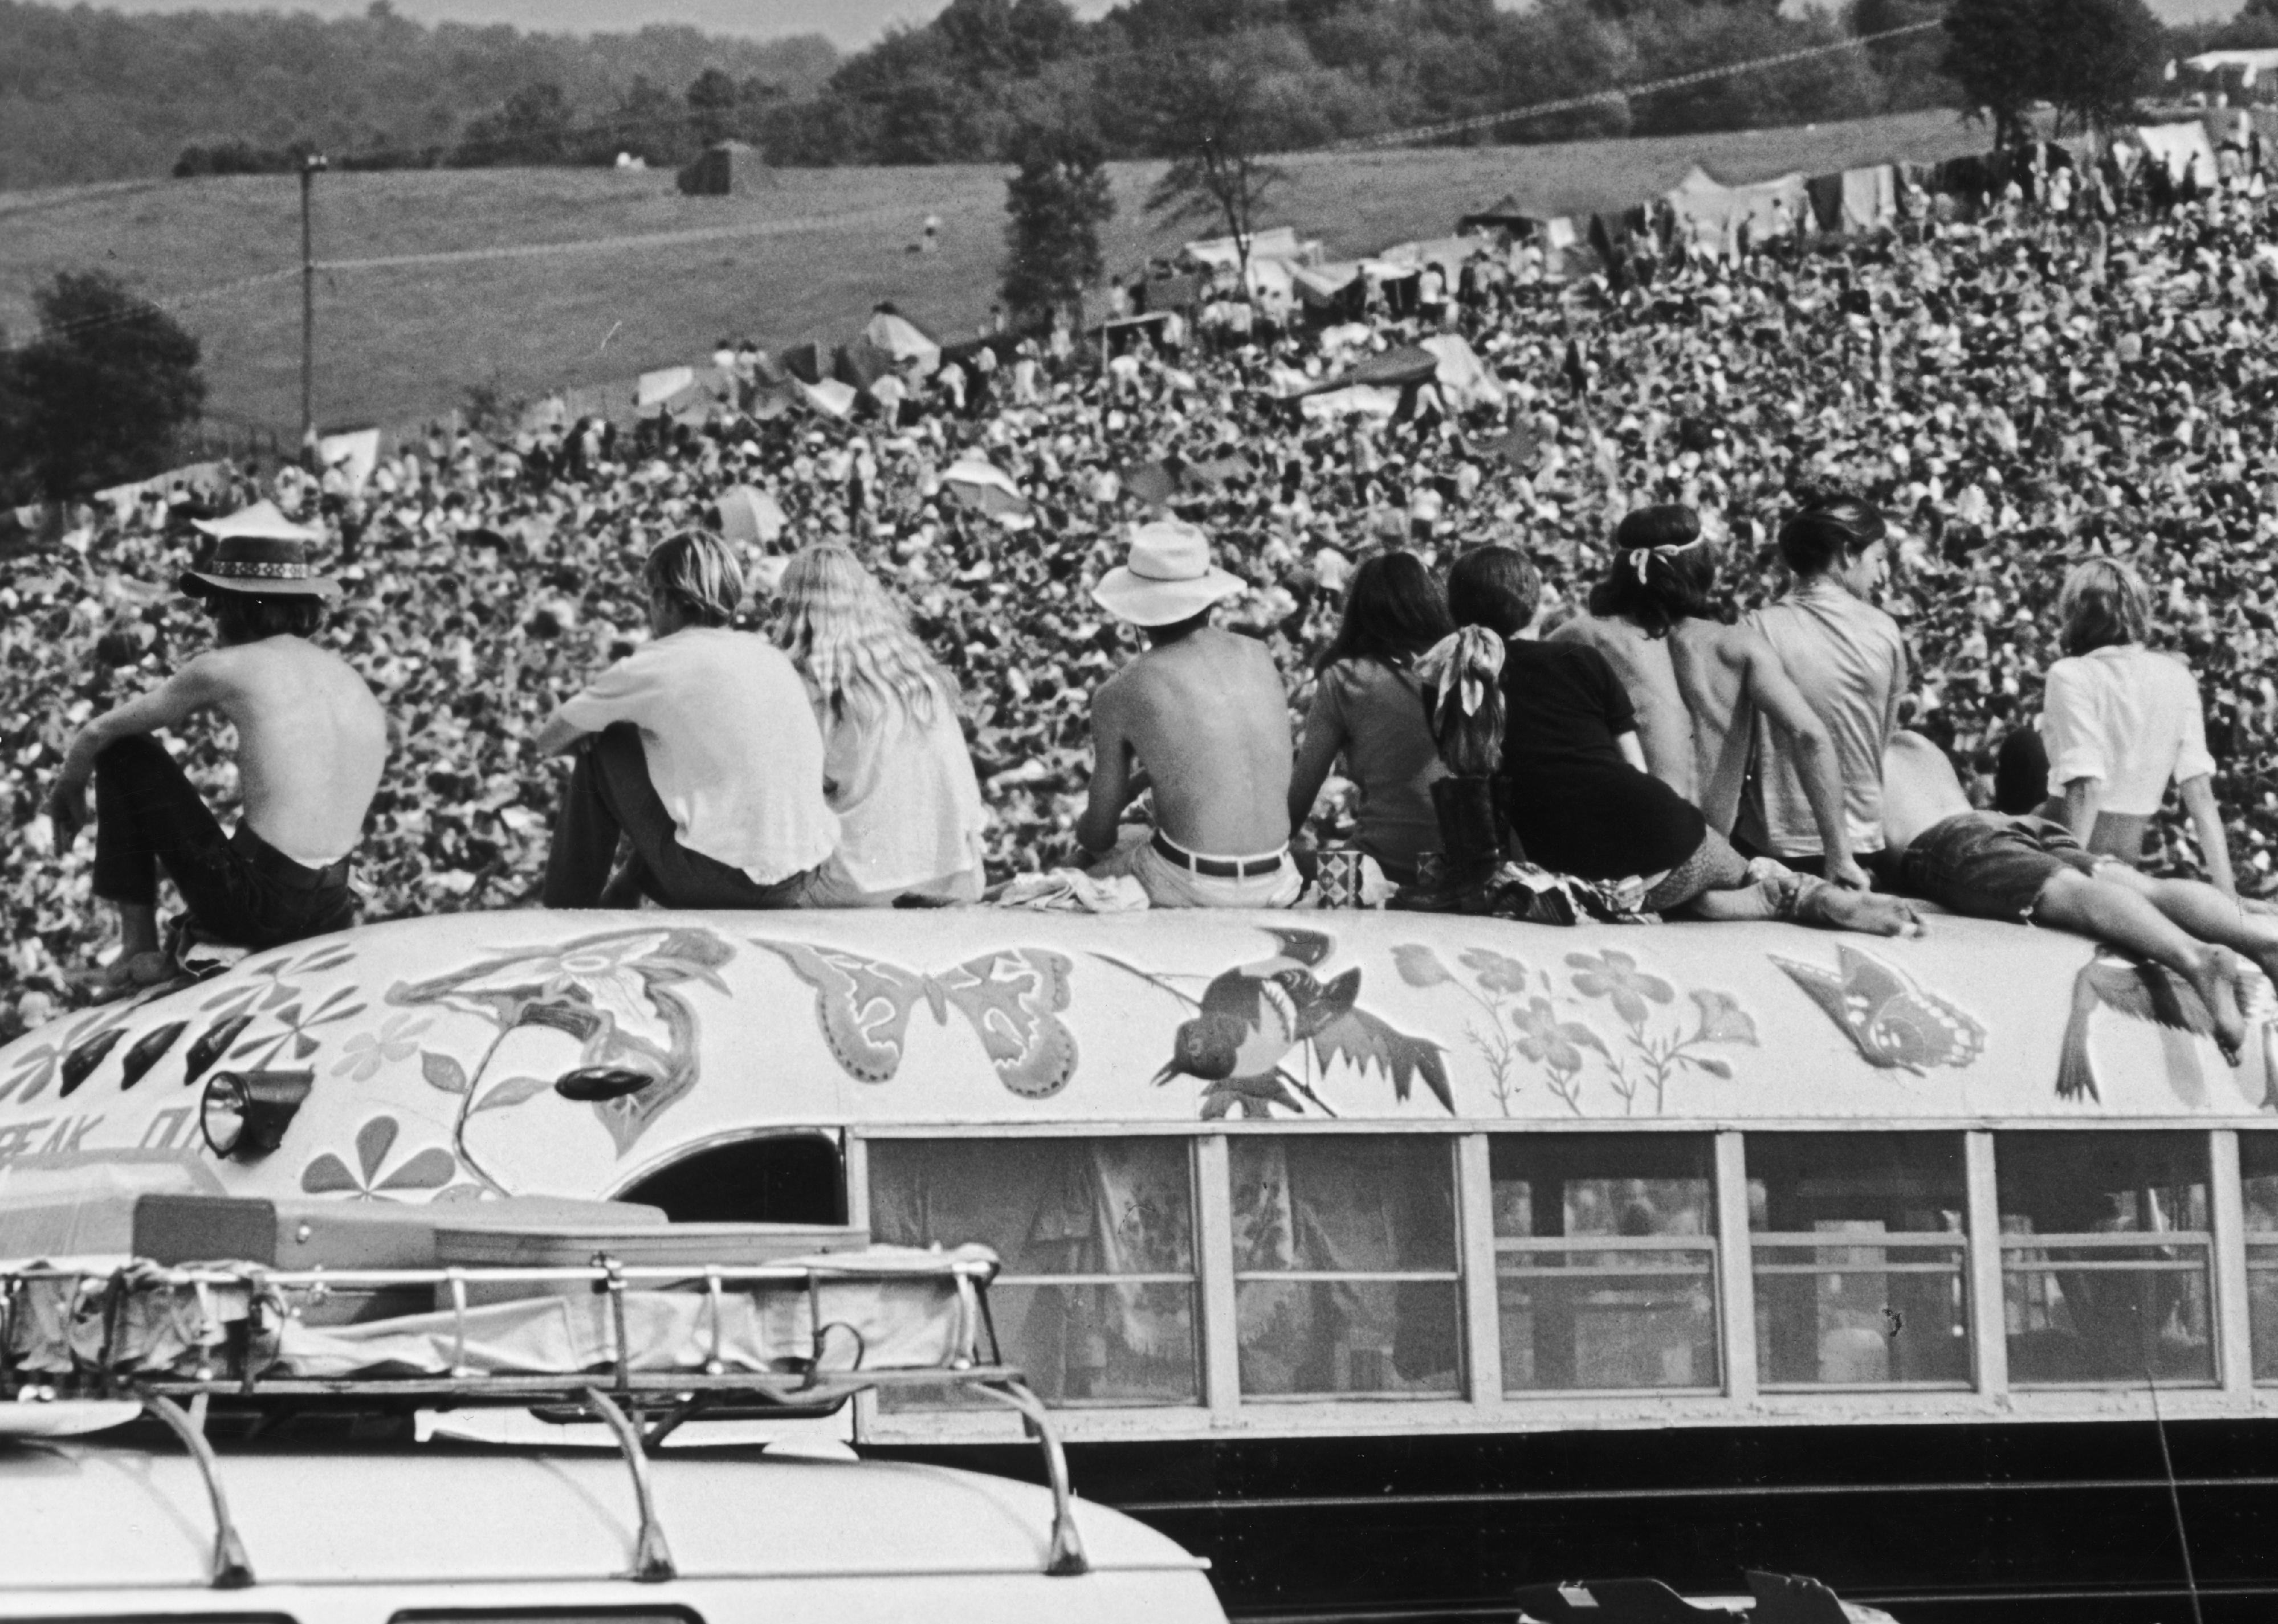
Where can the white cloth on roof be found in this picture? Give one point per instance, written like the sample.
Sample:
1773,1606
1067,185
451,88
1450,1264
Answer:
731,745
2128,717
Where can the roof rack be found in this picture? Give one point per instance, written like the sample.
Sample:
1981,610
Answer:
222,1361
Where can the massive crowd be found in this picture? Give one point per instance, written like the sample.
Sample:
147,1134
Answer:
2015,384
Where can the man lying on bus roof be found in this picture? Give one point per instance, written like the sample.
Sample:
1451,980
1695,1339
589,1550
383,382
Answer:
311,741
1996,865
1201,719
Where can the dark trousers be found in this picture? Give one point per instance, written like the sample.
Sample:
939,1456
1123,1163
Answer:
238,888
609,795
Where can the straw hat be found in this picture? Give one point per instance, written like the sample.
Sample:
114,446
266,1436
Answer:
1168,577
260,552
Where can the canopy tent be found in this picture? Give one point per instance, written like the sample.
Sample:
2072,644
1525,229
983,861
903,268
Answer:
656,388
904,342
1359,401
725,169
2248,64
196,479
830,397
2182,147
1396,369
751,517
1448,253
861,363
1222,253
1506,214
804,361
982,486
1710,213
1463,378
356,453
1322,283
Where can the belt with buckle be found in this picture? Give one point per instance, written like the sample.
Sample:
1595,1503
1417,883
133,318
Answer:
1217,868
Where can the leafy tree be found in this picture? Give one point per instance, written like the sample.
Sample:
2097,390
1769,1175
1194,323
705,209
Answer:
101,396
1058,200
713,98
2089,59
533,127
1212,121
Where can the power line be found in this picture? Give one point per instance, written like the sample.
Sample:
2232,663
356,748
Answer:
1618,93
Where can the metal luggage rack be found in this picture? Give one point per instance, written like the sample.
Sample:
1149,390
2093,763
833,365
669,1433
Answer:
620,1397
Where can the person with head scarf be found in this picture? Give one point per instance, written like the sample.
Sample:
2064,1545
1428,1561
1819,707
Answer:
698,747
894,765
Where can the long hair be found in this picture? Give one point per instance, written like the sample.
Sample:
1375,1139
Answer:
1832,529
2102,603
1663,571
1393,613
848,639
698,572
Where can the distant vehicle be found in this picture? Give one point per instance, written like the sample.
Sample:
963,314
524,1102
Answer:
1393,1262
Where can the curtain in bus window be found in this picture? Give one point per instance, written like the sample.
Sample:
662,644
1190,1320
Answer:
1094,1210
1337,1207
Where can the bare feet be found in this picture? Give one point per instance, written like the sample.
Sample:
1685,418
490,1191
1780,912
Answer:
125,976
2213,975
1832,907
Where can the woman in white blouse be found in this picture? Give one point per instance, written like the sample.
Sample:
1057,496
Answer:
2120,722
894,765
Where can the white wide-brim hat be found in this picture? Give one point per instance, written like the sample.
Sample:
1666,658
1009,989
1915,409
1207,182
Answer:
1168,578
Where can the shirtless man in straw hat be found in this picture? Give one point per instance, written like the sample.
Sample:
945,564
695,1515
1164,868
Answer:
1200,719
310,743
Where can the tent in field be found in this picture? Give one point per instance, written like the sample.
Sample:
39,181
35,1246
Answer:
903,342
656,388
983,487
356,453
1223,254
1504,215
1710,213
2181,147
751,517
804,361
1463,378
726,169
860,363
1448,253
830,397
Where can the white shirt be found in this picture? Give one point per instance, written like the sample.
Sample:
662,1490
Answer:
2128,717
731,745
909,807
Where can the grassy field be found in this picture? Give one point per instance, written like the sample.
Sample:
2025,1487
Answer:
807,257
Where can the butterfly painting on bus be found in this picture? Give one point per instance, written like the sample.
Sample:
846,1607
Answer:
1012,998
1895,1023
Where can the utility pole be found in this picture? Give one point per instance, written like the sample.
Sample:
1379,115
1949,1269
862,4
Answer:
311,162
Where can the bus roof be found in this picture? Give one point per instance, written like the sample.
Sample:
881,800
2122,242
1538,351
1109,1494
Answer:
432,1045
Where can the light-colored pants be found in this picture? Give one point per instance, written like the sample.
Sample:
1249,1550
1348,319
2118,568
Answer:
834,887
1168,885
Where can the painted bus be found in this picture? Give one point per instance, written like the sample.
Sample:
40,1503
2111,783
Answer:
1392,1262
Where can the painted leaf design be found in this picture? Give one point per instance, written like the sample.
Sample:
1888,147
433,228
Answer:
514,1091
212,1044
326,1174
431,1170
1723,1020
1714,1068
1419,965
374,1140
148,1050
441,1071
80,1064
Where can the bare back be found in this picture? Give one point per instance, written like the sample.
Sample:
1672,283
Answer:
1207,719
1712,673
311,741
1647,673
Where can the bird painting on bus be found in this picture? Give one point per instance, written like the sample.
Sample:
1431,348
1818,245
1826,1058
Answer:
1252,1020
1892,1021
2143,992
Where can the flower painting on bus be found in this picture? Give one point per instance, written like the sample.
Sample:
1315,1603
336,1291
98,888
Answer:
1255,1022
616,993
1530,1018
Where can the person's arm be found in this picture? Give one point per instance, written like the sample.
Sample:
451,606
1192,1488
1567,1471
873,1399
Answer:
2206,823
1317,752
1774,693
2083,799
560,735
194,688
1112,787
1632,751
614,695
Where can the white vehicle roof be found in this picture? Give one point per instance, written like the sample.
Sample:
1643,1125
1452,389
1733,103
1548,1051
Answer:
85,1516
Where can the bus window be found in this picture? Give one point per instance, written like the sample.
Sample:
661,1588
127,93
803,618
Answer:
2104,1256
1096,1302
1860,1259
1605,1261
1344,1256
2258,1169
766,1178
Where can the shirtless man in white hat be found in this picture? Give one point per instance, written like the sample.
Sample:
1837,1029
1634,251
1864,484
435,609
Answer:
311,741
1201,719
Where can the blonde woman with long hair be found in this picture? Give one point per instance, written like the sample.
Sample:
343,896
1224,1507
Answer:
896,769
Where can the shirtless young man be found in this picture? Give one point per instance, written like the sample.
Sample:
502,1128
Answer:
310,743
1699,684
1993,866
1201,719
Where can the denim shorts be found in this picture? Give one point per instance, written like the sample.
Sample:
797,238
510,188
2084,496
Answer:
1989,867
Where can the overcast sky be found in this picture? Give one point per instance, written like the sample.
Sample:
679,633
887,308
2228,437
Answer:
848,23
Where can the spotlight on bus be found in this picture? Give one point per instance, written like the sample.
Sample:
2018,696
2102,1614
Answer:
244,1114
